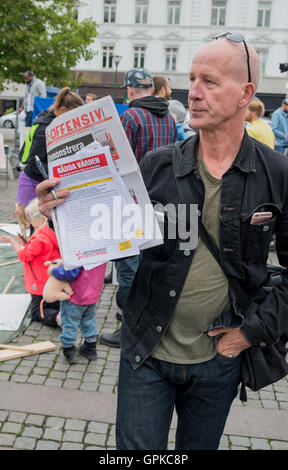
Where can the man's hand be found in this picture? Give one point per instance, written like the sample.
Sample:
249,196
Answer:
46,201
232,343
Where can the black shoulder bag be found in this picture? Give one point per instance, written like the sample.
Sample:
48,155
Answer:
261,366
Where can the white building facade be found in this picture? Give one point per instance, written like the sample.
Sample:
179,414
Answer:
163,35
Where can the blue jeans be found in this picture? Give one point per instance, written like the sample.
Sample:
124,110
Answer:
77,316
126,270
202,395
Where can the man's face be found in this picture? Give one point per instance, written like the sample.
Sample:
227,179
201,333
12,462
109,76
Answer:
286,109
89,99
214,94
28,78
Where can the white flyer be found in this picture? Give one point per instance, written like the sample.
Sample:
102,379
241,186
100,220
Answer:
93,223
99,121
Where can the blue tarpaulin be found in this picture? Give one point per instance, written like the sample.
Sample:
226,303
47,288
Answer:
40,104
52,91
121,108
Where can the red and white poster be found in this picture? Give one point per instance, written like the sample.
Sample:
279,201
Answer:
89,152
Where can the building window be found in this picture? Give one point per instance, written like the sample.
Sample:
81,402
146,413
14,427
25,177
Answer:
218,14
171,59
141,12
109,11
139,57
174,7
263,55
107,57
264,14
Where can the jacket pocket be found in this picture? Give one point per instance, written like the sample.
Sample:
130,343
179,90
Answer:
255,238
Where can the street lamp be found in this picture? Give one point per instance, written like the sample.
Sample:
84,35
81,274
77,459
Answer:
117,59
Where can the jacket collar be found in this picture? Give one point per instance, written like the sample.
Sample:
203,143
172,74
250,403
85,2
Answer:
187,161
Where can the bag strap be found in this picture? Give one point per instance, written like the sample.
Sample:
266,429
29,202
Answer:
185,188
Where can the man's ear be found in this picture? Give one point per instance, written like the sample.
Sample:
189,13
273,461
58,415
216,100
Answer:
130,93
248,91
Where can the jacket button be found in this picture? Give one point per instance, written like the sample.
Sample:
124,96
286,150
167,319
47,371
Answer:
172,293
137,359
266,228
187,253
262,345
159,329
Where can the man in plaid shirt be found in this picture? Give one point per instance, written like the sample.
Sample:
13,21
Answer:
148,125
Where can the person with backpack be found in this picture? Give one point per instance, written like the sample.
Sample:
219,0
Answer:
35,144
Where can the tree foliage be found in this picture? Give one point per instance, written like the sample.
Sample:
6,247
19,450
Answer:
43,36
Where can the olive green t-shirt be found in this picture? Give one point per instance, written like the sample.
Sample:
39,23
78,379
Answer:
205,292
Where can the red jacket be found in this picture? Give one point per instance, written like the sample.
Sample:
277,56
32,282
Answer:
41,247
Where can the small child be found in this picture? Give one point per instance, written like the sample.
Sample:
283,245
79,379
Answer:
80,310
40,247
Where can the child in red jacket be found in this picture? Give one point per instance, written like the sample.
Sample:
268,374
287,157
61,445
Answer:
41,246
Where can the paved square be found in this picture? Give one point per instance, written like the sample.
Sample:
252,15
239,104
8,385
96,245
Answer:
47,404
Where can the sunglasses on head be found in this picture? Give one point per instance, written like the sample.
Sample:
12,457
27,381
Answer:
236,37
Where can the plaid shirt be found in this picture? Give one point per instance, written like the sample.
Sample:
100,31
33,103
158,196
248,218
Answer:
146,132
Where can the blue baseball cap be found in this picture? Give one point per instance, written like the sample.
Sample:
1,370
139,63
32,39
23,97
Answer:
138,78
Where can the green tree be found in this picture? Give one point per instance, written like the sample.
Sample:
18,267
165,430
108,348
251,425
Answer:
44,36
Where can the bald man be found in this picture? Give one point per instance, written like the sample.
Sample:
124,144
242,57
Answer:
184,335
186,328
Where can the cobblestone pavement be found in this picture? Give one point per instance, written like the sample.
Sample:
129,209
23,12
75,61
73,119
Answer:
91,425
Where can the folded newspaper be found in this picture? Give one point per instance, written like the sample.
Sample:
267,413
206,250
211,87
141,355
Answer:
108,213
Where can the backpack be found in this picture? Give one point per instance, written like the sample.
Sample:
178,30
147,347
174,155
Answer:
26,147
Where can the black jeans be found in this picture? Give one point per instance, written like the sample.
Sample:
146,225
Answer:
50,311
